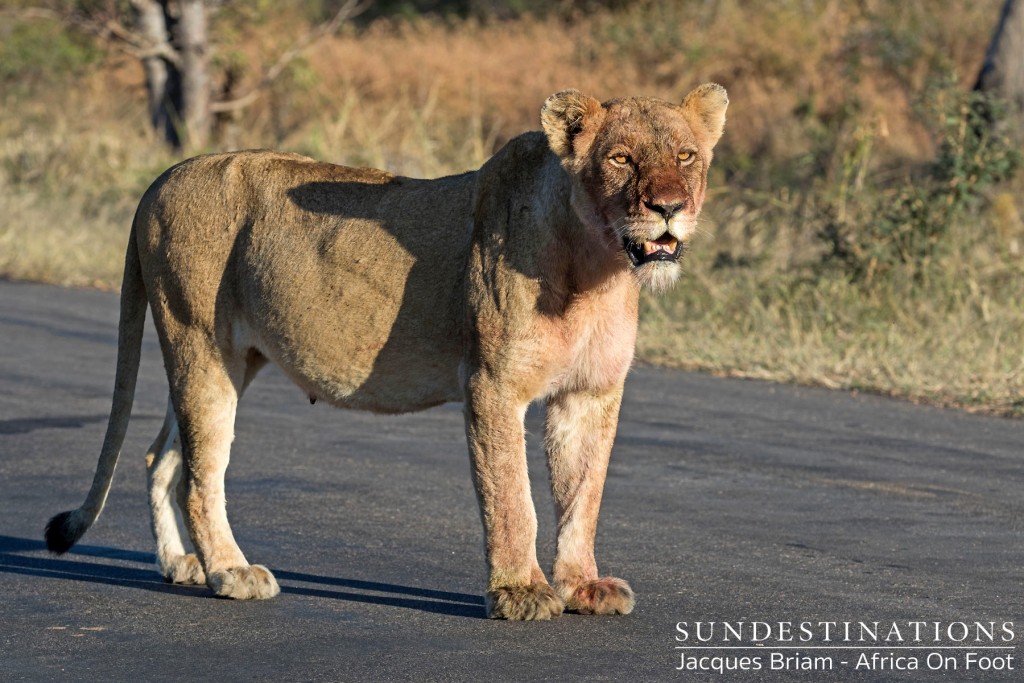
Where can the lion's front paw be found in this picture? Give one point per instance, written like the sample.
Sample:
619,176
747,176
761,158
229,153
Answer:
535,602
607,595
183,569
254,582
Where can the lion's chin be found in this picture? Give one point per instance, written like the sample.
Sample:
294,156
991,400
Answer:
658,276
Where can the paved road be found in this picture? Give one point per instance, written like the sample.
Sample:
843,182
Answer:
727,501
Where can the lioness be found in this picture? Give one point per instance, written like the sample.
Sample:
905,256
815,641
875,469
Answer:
498,287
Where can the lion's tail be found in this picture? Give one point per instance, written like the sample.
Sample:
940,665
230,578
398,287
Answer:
64,530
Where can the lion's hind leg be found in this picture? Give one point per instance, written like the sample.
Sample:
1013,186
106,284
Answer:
164,480
205,386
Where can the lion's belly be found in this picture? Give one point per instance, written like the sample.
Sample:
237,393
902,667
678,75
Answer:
369,328
432,379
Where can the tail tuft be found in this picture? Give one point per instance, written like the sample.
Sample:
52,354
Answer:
63,531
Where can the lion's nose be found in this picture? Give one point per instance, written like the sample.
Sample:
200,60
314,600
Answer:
667,208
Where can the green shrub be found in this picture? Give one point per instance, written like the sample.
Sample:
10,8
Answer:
871,231
43,51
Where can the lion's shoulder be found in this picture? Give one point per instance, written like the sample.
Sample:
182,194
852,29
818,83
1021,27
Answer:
518,169
528,150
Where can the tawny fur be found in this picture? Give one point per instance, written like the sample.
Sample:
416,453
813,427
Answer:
496,288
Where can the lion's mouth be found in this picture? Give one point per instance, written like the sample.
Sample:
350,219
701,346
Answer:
665,248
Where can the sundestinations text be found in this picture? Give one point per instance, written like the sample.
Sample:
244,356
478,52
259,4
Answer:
915,632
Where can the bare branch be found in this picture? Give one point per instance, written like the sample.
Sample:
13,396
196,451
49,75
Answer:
350,9
119,36
29,13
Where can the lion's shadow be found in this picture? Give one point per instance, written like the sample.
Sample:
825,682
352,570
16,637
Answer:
28,557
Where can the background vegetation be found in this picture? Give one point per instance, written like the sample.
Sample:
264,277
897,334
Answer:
863,228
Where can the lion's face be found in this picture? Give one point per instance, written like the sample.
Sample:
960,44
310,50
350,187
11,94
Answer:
640,167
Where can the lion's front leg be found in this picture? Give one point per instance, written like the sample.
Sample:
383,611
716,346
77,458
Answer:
579,433
516,586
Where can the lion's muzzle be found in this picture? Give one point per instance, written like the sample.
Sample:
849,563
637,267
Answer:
664,248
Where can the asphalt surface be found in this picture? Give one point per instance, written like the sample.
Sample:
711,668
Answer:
727,501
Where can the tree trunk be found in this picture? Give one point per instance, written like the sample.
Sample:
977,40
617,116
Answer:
151,25
192,41
176,61
1002,74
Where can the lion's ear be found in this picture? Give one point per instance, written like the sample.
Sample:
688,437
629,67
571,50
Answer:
707,104
564,116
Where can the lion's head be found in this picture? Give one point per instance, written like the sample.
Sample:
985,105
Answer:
640,170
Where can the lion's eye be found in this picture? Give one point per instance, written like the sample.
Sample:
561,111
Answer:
685,157
620,159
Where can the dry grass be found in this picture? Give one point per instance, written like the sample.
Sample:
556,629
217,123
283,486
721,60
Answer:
956,339
427,98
